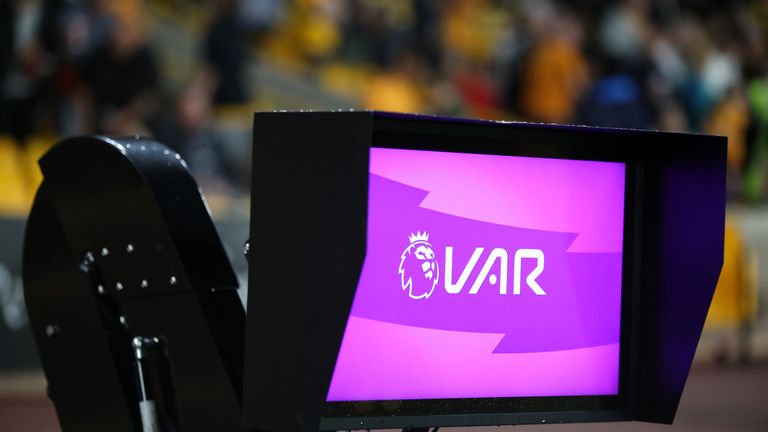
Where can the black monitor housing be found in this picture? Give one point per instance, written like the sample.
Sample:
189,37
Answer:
308,246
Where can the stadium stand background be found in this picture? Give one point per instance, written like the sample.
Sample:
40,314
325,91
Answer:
192,72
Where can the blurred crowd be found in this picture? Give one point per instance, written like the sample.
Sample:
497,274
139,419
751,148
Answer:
70,67
83,66
675,65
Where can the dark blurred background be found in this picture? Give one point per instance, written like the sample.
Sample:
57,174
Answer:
192,72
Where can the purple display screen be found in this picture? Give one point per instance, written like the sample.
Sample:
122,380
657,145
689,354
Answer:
486,276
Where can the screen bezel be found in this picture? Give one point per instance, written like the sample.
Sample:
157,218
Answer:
526,140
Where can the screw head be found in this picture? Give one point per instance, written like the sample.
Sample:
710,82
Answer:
51,330
85,267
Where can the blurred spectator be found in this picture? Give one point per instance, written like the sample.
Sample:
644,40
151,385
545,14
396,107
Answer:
188,127
75,31
473,28
616,101
260,16
28,39
731,118
376,31
6,38
624,31
310,32
756,175
225,55
122,76
187,122
720,68
478,90
395,89
426,32
736,299
554,75
667,60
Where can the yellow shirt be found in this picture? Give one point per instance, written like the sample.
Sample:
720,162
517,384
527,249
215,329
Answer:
553,78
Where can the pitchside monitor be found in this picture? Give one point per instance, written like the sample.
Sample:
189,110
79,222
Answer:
411,271
483,276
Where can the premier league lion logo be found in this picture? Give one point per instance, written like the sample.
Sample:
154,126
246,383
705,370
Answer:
418,270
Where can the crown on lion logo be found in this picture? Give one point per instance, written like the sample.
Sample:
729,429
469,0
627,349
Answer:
418,236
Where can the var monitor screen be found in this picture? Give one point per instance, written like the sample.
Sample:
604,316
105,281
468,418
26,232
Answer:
486,276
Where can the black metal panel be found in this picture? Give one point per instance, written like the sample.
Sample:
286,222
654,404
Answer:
136,255
83,379
308,231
